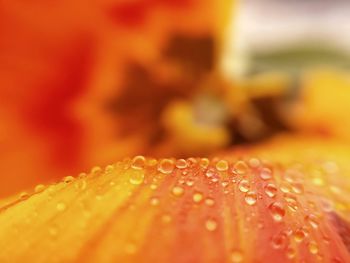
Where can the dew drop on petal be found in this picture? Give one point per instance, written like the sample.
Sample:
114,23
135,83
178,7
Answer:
95,170
222,165
68,179
266,173
327,205
290,253
313,247
277,211
197,197
81,184
204,162
243,186
181,163
299,235
189,182
136,177
270,190
23,196
318,181
297,188
254,162
166,218
151,162
209,202
39,188
285,187
278,241
312,220
209,173
138,162
240,167
154,201
251,198
292,202
192,161
109,168
178,191
82,175
166,166
211,225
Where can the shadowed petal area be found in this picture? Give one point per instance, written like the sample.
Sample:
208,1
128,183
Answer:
239,209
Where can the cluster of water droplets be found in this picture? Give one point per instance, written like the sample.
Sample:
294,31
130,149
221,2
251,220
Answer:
256,183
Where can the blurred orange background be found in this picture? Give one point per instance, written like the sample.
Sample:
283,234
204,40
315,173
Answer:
74,75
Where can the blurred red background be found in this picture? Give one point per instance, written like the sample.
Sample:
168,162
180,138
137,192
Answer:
63,62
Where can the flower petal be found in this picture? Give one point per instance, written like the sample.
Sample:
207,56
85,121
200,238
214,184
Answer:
194,210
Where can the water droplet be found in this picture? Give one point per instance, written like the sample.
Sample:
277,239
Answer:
197,197
153,186
181,163
61,206
209,173
166,166
292,202
299,235
266,173
39,188
270,190
109,168
222,165
68,179
225,183
209,201
243,186
154,201
313,247
82,175
240,167
254,162
166,219
327,205
23,195
297,188
136,177
251,198
189,182
81,184
96,170
138,162
191,161
277,211
204,162
236,256
151,162
312,220
178,191
318,181
211,225
279,241
285,187
291,253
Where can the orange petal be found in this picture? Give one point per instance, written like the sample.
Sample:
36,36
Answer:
194,210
